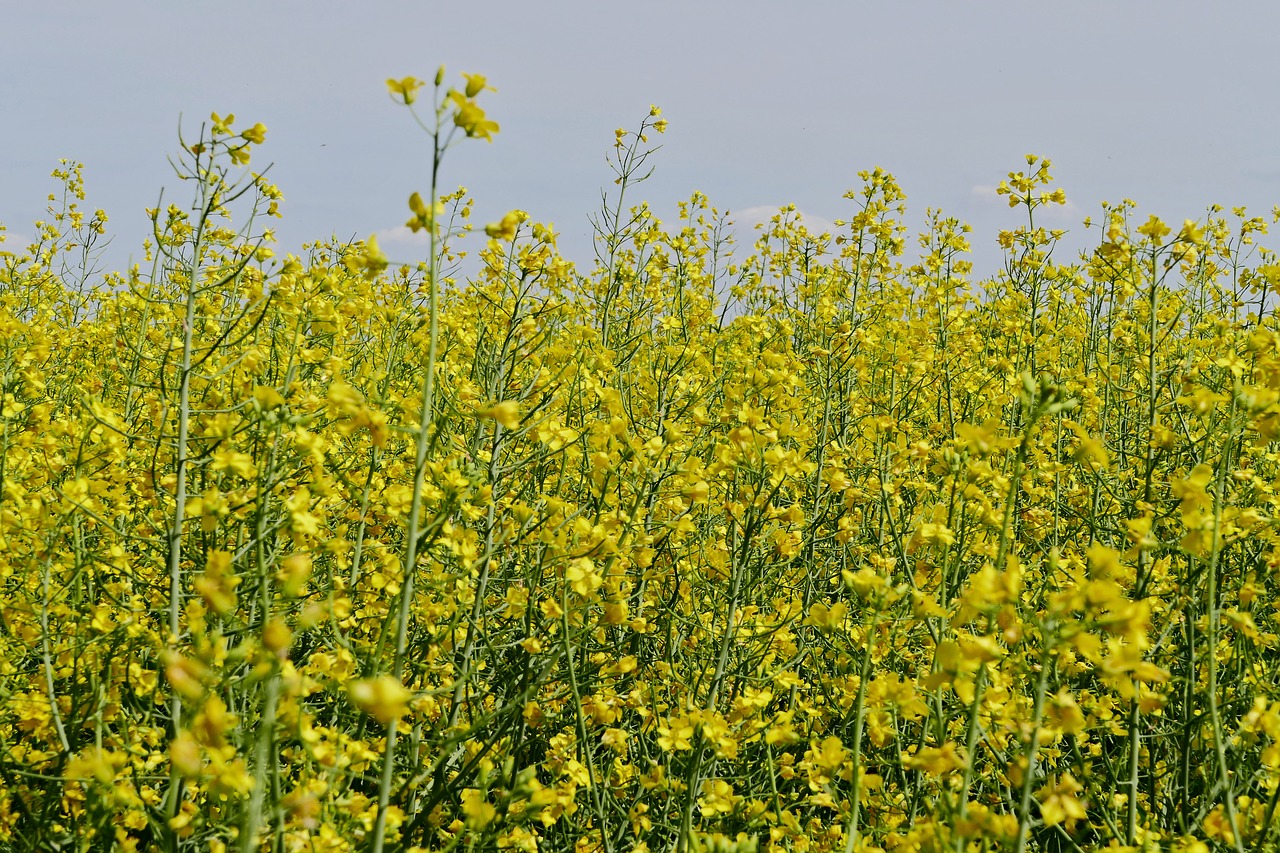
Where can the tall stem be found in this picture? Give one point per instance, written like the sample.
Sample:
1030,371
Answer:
414,525
173,795
859,718
1211,641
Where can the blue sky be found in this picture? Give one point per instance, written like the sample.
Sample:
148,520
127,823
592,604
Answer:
1173,104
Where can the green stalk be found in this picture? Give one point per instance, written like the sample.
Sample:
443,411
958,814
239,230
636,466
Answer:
1024,805
262,751
584,749
859,712
173,796
1131,829
1211,643
971,747
46,654
184,417
717,681
264,746
413,531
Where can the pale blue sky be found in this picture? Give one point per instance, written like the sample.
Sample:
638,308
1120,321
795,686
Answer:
1171,103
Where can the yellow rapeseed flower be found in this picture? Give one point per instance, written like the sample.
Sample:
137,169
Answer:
505,228
222,126
826,618
506,413
1154,228
382,697
371,260
476,83
406,88
471,118
256,134
1058,800
423,217
479,812
937,761
1191,233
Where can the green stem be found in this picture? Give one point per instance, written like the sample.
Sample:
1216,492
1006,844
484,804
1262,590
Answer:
859,712
1033,747
413,526
1211,643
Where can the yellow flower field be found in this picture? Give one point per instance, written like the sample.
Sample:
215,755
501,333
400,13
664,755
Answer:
818,546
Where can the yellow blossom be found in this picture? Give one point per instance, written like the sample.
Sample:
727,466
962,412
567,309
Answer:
1154,228
1058,800
505,228
256,134
479,812
423,217
476,83
827,618
405,88
937,761
506,413
471,118
382,697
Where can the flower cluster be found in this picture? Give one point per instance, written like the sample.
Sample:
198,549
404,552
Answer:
814,548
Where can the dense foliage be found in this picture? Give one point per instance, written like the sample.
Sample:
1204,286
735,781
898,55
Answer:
816,549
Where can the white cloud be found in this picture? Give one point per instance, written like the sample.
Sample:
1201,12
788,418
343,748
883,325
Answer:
986,193
748,218
15,241
401,235
1069,212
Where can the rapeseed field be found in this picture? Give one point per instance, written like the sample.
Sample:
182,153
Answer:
815,545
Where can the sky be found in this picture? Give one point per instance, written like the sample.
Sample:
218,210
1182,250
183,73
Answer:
1174,104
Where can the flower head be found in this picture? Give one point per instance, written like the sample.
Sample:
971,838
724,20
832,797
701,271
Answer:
371,260
423,217
222,126
471,118
255,134
405,88
506,413
505,228
477,83
383,697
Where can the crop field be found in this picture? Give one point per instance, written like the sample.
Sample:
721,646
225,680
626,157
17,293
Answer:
815,544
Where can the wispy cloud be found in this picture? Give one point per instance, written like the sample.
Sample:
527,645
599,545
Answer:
987,194
14,241
401,235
